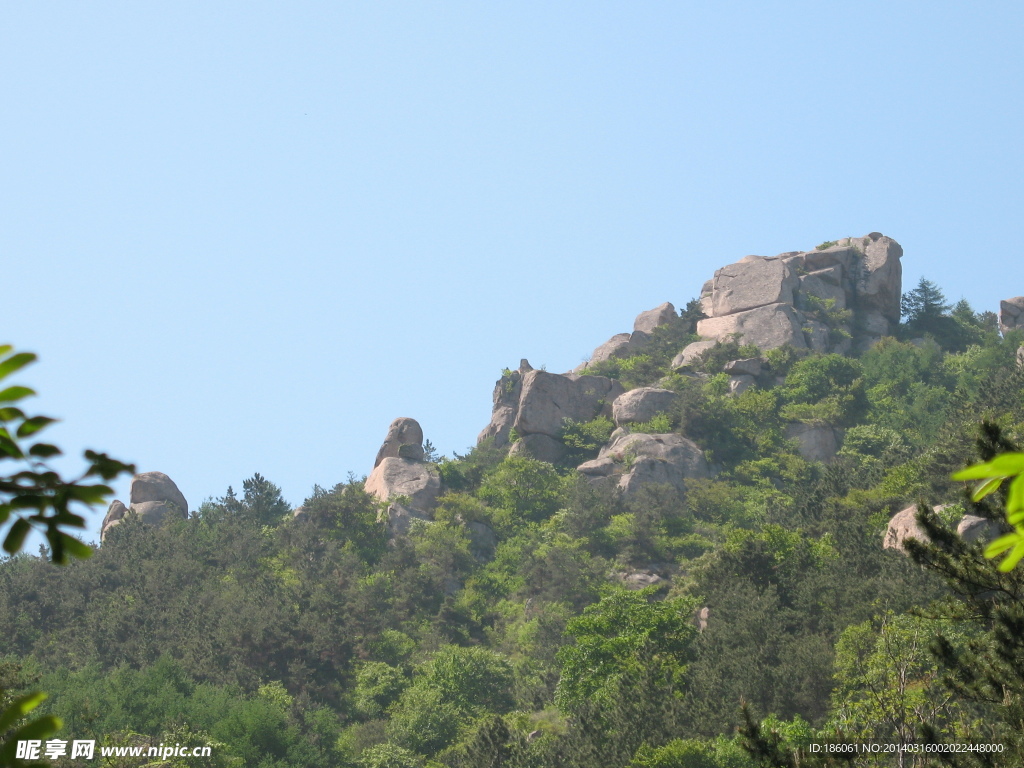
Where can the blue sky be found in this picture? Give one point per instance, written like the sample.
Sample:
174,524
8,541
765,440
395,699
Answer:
244,237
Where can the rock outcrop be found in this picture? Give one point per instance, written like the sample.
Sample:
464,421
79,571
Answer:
404,440
538,403
627,344
973,528
639,459
1011,314
400,475
153,498
794,298
814,442
416,480
902,526
642,404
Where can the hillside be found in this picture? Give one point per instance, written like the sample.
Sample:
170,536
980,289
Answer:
713,511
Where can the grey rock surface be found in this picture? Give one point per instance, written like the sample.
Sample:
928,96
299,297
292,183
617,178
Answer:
540,447
740,384
647,321
752,282
404,433
1011,314
902,526
972,528
548,399
688,357
880,283
483,541
815,442
404,477
115,513
156,486
642,404
618,345
750,366
644,459
766,327
401,519
155,512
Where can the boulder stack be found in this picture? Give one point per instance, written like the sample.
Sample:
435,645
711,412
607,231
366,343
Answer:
639,459
400,476
538,403
797,298
153,498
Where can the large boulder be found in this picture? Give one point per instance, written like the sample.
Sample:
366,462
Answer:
753,282
156,486
405,438
1011,314
691,354
618,346
766,327
792,298
643,404
155,512
115,514
647,321
417,481
973,528
506,405
880,282
548,399
153,498
815,442
642,459
902,526
401,518
540,447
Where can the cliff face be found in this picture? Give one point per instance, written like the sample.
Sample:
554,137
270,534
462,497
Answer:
844,292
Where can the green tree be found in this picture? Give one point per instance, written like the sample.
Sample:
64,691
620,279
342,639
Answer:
34,496
261,503
923,304
621,631
888,681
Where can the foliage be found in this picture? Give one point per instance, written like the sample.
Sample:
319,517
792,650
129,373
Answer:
583,439
521,490
261,503
1006,466
620,631
37,497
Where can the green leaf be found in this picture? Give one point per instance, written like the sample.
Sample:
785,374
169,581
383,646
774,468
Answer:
90,494
33,425
13,394
20,707
10,413
44,450
1008,463
16,363
1015,498
75,548
1013,558
1000,545
985,488
16,536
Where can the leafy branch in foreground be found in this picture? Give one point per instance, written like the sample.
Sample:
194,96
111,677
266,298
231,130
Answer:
1006,466
36,496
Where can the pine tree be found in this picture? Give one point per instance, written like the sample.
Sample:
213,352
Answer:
924,303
